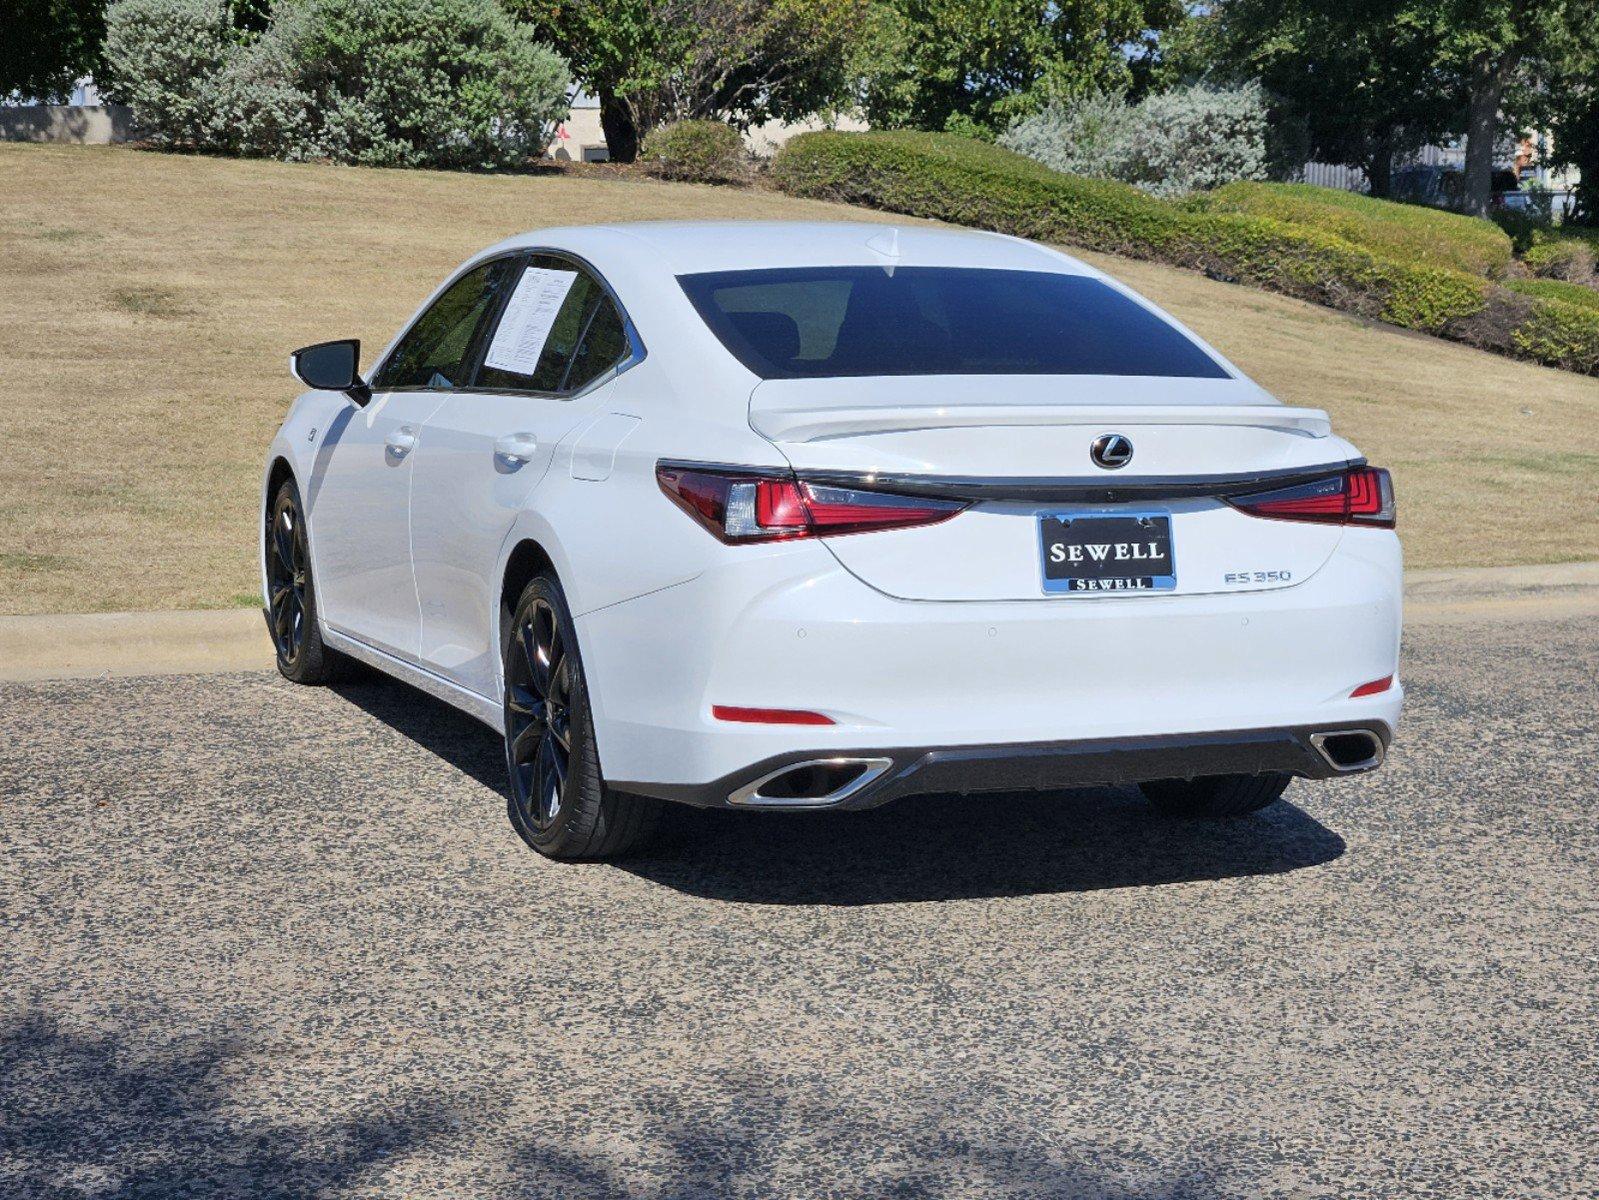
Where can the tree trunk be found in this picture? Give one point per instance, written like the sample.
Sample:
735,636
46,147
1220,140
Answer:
1488,76
621,132
1380,170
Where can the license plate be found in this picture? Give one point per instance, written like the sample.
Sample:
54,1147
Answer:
1128,552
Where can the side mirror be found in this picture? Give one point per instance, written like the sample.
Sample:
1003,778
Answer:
332,367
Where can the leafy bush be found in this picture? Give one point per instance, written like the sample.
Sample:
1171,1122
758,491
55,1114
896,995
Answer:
442,83
969,183
1521,226
164,58
697,151
1557,289
1552,256
957,179
1170,144
1085,137
1407,231
410,83
1559,334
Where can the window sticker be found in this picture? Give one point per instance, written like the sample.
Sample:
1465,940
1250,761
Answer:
529,315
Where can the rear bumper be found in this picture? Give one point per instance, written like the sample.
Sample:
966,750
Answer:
1035,767
787,627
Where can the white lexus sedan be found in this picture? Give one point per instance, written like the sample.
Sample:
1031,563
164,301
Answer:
805,516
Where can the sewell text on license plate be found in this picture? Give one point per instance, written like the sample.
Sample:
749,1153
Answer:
1096,553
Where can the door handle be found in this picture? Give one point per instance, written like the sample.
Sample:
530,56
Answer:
402,441
516,447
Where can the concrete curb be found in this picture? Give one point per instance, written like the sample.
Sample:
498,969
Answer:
106,645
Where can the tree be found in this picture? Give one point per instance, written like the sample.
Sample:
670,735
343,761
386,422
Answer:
1358,82
979,64
1565,101
1490,43
741,61
48,45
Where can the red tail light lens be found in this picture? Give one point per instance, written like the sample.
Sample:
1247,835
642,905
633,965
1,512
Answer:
740,508
1362,496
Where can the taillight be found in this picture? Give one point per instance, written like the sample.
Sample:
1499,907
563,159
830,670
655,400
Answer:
1362,496
741,508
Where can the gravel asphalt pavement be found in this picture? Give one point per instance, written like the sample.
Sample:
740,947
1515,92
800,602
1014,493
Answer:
258,940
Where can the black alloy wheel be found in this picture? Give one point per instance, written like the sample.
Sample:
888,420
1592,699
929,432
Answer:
538,728
291,595
558,801
287,575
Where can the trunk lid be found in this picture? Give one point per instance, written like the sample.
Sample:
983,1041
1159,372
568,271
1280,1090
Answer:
1020,448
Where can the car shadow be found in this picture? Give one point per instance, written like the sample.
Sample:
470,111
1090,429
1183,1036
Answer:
918,849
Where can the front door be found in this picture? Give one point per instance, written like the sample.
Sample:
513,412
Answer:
546,369
360,494
359,513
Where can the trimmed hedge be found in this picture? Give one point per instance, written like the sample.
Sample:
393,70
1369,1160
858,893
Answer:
960,180
971,183
1561,256
1559,334
1557,289
697,152
1412,232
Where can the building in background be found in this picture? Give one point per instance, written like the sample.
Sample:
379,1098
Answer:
581,139
1434,173
84,119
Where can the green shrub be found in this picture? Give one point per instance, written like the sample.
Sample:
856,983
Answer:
164,58
1408,231
414,83
1169,144
1559,334
958,179
1553,256
1557,289
1319,266
696,151
955,179
410,83
1521,226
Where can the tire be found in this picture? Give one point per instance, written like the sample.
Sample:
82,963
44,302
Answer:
291,595
558,801
1214,796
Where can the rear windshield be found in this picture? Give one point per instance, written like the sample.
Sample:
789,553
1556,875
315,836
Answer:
819,322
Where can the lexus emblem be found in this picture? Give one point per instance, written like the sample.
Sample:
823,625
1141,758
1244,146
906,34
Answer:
1111,450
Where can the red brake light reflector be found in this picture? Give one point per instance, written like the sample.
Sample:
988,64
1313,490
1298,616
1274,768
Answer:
1373,688
1360,496
764,507
768,716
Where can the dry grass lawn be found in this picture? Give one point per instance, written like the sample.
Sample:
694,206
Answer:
148,303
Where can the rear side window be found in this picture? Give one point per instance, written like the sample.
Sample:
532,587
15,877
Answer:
559,331
820,322
436,352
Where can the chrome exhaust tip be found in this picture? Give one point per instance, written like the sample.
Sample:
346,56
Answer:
815,783
1349,750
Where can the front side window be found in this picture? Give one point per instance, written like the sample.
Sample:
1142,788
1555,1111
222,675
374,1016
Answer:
559,331
821,322
436,352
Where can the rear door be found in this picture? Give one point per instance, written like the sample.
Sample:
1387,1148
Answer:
546,368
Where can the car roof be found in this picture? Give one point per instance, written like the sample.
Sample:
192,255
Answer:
686,247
